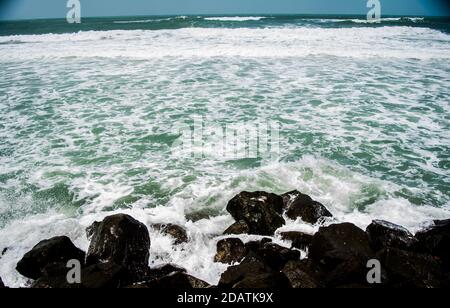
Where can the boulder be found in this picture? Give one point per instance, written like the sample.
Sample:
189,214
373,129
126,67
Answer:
261,211
275,256
435,240
98,276
91,229
239,227
383,234
230,250
299,240
253,273
300,275
177,232
55,250
302,206
341,251
405,269
122,240
175,280
164,270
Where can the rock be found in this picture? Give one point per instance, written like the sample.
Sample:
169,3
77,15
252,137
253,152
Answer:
2,286
122,240
299,240
198,283
164,270
435,240
299,205
383,234
91,229
252,273
175,231
342,252
276,256
300,275
406,269
255,246
261,211
176,280
340,242
99,276
230,250
55,250
239,227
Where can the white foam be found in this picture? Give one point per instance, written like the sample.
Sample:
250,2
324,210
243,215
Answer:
236,18
385,42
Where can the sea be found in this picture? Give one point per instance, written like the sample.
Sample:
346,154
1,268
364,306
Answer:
96,119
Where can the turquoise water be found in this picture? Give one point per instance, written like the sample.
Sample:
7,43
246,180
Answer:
90,122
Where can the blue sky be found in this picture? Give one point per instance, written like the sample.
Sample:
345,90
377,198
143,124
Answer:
29,9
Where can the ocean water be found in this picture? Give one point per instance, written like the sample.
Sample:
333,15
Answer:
90,116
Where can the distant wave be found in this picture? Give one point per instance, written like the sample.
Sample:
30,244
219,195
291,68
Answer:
149,20
237,18
397,19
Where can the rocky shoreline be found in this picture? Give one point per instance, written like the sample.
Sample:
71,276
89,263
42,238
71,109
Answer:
339,255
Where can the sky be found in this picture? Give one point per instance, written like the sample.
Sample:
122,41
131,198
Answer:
31,9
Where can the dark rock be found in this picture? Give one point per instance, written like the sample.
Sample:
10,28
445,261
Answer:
259,210
175,231
122,240
338,243
276,256
164,270
275,280
98,276
2,286
299,274
302,206
299,240
91,229
253,273
176,280
255,246
239,227
383,234
198,283
342,252
406,269
435,240
230,250
54,250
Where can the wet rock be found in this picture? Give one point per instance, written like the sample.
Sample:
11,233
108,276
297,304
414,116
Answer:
342,252
175,280
253,273
276,256
239,227
255,246
177,232
435,240
383,234
164,270
122,240
406,269
230,250
2,286
91,229
55,250
302,206
99,276
261,211
340,242
299,240
300,275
